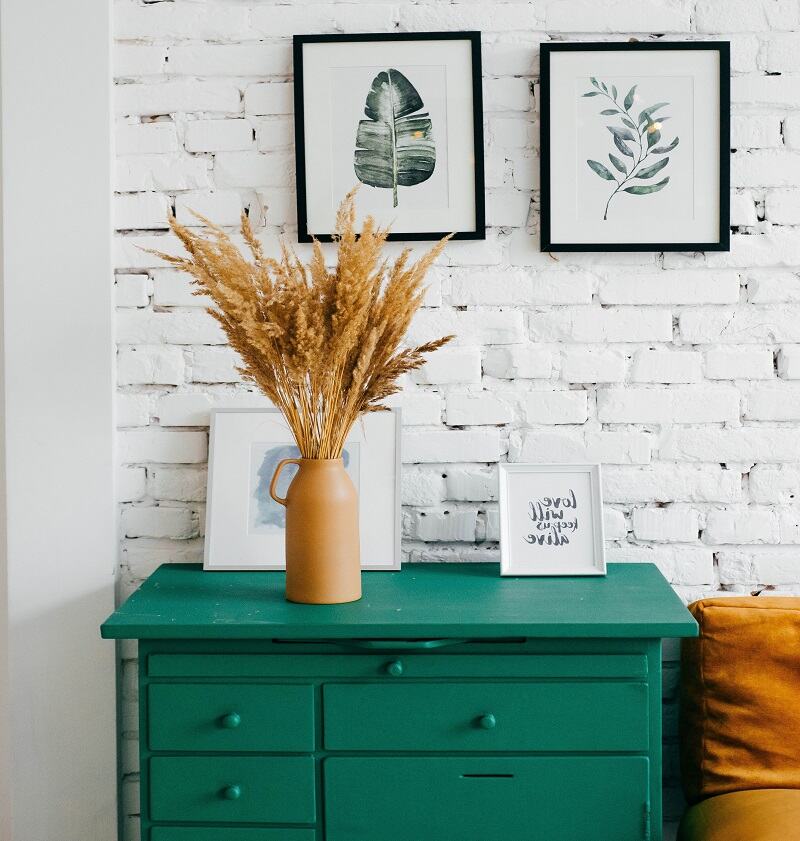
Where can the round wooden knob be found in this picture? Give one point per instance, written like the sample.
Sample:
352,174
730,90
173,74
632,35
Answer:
231,721
395,668
487,722
232,792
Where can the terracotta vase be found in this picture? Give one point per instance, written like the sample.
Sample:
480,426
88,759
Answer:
323,564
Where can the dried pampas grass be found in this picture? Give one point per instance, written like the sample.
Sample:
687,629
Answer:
324,346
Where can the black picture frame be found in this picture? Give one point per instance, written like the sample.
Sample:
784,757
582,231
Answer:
723,242
474,38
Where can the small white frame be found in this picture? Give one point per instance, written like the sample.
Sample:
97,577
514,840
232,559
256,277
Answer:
585,558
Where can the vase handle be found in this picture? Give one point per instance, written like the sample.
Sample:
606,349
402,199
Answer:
281,464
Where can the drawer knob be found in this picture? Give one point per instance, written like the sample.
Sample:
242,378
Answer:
231,721
395,668
232,792
487,722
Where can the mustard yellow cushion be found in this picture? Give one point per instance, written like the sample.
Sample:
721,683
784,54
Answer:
740,697
765,815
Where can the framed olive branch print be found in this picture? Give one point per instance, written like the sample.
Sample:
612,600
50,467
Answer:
401,117
635,150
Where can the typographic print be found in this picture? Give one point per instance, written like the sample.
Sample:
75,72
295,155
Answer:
553,520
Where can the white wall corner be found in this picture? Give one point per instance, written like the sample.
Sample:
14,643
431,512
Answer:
59,548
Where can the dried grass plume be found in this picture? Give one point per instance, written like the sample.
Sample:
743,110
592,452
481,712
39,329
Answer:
324,346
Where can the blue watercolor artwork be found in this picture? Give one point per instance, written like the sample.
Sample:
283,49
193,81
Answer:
266,515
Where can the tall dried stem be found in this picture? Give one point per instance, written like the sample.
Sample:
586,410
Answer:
324,346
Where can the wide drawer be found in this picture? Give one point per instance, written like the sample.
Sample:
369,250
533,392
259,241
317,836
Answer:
178,833
433,664
547,798
232,789
231,717
536,716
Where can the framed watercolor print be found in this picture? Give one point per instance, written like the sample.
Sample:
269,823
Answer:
635,149
399,115
551,520
245,526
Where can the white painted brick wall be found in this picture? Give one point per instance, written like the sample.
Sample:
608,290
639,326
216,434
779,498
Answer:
754,131
772,286
214,365
740,364
789,362
558,407
141,211
477,410
518,361
218,135
223,206
132,290
451,365
150,365
172,288
593,365
666,525
684,287
666,366
782,206
678,372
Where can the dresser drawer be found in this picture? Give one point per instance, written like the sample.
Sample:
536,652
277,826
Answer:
231,717
546,716
433,664
543,798
177,833
232,789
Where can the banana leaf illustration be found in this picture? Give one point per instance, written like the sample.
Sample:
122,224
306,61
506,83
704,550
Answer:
395,144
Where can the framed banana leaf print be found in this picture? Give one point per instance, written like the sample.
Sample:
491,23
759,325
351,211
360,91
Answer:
399,116
635,149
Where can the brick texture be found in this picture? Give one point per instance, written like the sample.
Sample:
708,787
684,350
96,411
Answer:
678,372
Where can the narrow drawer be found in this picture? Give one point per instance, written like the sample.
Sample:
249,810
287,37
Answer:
430,665
553,716
232,789
178,833
231,717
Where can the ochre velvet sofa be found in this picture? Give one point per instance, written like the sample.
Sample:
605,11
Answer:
740,721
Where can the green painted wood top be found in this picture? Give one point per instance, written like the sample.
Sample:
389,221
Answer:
181,601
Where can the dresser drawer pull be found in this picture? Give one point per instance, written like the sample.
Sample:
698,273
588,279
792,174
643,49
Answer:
232,792
487,722
231,721
395,668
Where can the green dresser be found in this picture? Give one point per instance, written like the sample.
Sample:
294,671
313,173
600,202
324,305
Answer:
449,704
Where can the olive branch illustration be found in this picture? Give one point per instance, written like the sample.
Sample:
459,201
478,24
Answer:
645,132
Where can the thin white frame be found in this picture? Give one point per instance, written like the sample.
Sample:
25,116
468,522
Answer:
593,470
397,521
